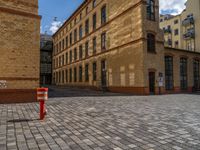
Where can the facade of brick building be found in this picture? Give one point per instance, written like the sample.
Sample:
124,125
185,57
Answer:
118,46
20,51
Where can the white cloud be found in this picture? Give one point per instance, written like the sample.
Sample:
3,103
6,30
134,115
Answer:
55,25
172,6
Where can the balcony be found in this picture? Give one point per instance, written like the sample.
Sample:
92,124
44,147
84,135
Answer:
190,34
188,21
167,31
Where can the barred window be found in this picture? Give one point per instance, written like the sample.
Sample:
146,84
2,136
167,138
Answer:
169,81
196,66
151,42
183,73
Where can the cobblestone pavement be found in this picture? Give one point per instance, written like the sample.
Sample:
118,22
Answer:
170,122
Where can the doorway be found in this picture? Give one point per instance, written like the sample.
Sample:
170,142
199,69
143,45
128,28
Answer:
152,83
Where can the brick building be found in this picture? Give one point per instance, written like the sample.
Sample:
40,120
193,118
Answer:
19,46
118,46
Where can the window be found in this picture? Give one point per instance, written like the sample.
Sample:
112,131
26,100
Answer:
75,35
60,46
86,10
183,73
80,74
75,54
67,58
80,52
86,49
80,32
94,3
63,76
151,10
176,32
70,75
103,41
86,73
196,66
94,21
75,75
94,71
103,15
70,53
176,21
94,45
86,26
63,60
63,44
66,42
176,44
70,39
151,42
66,75
80,16
75,21
169,82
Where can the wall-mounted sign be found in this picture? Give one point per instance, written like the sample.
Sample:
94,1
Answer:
3,84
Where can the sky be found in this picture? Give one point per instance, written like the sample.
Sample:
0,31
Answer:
55,12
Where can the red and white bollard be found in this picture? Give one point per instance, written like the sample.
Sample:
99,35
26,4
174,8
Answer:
42,96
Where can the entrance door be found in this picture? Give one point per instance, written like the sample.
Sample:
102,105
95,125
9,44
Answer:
152,82
103,74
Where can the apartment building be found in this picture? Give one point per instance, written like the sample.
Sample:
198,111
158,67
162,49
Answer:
182,31
119,46
20,50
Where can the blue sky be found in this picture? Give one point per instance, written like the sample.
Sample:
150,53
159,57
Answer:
62,9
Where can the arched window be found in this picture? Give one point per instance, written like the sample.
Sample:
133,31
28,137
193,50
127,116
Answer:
151,10
151,42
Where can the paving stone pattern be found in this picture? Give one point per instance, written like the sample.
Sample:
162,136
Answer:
170,122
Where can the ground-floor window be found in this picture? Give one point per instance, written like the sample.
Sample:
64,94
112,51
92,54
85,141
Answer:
183,73
169,81
94,71
70,75
80,74
66,75
196,65
87,73
75,75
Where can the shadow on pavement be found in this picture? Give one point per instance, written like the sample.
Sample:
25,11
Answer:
57,91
